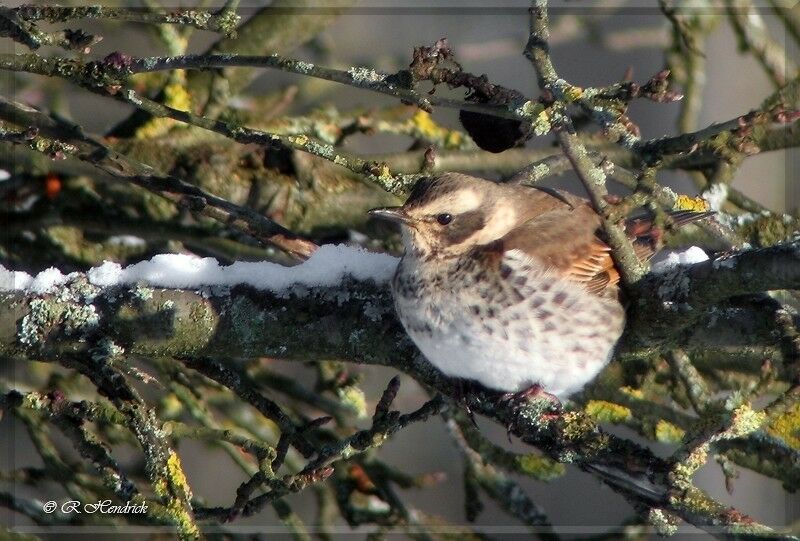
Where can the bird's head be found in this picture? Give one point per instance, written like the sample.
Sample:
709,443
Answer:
450,214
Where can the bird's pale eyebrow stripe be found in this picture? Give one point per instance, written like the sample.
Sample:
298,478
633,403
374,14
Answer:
465,199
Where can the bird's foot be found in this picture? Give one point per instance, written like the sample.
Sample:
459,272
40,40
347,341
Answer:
462,391
533,393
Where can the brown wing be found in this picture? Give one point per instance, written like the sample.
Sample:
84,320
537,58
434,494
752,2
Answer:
565,239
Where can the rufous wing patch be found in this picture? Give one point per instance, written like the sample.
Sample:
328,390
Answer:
595,270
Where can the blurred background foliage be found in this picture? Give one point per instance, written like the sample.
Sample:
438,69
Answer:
725,58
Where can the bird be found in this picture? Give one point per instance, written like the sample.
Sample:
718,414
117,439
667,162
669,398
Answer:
510,285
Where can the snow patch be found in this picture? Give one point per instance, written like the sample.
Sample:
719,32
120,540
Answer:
670,259
328,266
127,240
46,281
716,196
14,280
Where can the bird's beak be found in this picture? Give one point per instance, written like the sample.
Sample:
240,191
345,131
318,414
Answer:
392,214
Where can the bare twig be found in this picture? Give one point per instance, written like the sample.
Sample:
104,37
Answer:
592,176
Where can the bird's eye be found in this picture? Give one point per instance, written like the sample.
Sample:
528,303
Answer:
444,219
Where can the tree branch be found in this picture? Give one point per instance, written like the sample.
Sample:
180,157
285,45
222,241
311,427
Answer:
247,323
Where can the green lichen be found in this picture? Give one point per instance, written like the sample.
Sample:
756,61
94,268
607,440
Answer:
35,401
744,420
201,316
770,229
246,320
577,426
539,171
303,67
664,523
73,316
106,350
353,398
365,75
683,470
84,290
142,292
530,109
693,499
596,175
79,318
33,325
51,147
542,124
227,21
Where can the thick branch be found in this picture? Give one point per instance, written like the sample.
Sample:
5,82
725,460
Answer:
355,321
677,298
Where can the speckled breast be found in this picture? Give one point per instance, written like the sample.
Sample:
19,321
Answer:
508,327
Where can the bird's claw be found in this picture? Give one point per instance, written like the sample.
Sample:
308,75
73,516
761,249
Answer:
535,392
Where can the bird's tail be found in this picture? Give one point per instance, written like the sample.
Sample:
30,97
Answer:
647,237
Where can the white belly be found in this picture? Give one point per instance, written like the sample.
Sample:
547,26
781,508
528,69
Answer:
512,346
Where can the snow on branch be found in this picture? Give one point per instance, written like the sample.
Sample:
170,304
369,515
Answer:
328,266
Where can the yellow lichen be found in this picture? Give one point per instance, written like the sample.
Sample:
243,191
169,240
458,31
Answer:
171,407
696,204
422,124
425,124
540,467
787,426
573,93
541,124
454,139
155,128
176,475
179,484
383,172
175,96
607,412
576,425
299,140
667,432
633,393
